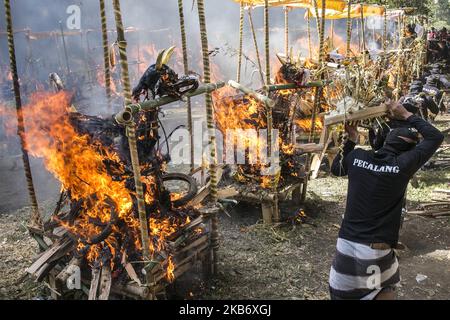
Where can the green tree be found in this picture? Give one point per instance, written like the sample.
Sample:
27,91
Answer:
438,11
441,11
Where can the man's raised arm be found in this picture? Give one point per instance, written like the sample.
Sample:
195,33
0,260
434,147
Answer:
339,167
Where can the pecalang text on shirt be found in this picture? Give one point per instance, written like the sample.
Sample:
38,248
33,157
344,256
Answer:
374,167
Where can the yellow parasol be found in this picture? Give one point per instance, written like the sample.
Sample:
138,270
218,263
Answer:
355,12
336,5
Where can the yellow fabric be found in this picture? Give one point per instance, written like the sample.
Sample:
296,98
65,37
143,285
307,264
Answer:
337,5
355,12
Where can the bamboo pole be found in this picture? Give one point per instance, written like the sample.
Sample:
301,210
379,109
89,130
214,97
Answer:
131,133
66,54
318,93
36,220
332,33
316,11
186,71
267,40
308,30
255,42
385,59
399,68
211,132
349,28
269,106
241,41
286,31
130,110
291,86
321,63
256,95
105,51
359,34
363,32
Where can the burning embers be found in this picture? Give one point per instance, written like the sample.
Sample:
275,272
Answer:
96,216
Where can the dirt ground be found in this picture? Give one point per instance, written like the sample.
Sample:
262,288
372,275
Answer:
284,261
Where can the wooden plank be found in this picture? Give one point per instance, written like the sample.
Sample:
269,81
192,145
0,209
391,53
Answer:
94,284
367,113
105,283
48,255
267,212
309,147
204,191
66,272
227,193
445,191
317,160
194,244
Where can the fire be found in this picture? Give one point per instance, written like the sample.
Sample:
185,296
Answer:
237,113
306,125
340,43
9,76
266,182
102,82
78,163
170,270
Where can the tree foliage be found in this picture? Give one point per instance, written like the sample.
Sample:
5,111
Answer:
438,11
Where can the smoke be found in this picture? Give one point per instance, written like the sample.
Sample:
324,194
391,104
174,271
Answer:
158,21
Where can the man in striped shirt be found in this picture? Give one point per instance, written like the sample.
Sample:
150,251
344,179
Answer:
365,265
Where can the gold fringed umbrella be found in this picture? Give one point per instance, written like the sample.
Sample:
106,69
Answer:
355,12
337,5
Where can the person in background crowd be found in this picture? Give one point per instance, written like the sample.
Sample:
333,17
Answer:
431,34
443,35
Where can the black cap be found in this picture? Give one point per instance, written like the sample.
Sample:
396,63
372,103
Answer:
410,133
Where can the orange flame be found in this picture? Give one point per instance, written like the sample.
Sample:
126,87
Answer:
78,163
170,275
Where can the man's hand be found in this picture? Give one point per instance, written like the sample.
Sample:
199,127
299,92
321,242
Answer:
398,112
352,131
